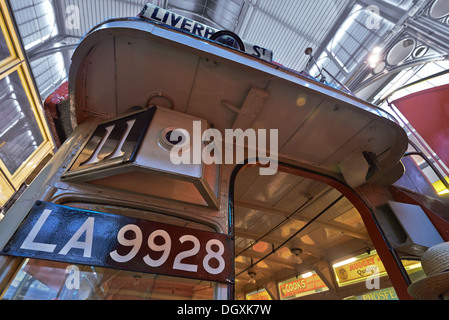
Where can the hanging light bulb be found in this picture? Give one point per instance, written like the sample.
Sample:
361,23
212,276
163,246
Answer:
252,277
136,281
297,255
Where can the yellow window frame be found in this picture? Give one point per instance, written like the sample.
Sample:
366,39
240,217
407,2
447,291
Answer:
13,58
16,62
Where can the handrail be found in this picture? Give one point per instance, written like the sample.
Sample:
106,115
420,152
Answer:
438,74
431,165
341,84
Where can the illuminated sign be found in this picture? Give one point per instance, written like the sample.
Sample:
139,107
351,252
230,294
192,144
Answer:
307,284
177,21
383,294
258,295
359,269
66,234
363,267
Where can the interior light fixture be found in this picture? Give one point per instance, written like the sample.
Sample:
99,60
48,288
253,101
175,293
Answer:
252,277
136,280
297,255
307,274
342,263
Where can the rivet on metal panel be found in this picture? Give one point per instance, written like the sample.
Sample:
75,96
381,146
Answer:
211,63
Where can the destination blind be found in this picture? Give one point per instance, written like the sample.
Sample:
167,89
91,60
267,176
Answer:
175,20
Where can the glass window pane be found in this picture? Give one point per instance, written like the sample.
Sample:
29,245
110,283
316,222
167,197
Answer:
20,135
47,280
4,50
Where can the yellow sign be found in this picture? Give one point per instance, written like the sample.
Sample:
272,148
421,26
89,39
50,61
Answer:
301,286
359,270
439,186
258,295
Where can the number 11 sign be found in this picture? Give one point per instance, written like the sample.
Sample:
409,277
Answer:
60,233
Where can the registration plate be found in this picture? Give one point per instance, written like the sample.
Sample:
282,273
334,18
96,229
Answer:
67,234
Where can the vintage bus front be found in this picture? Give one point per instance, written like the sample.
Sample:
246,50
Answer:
112,216
195,169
